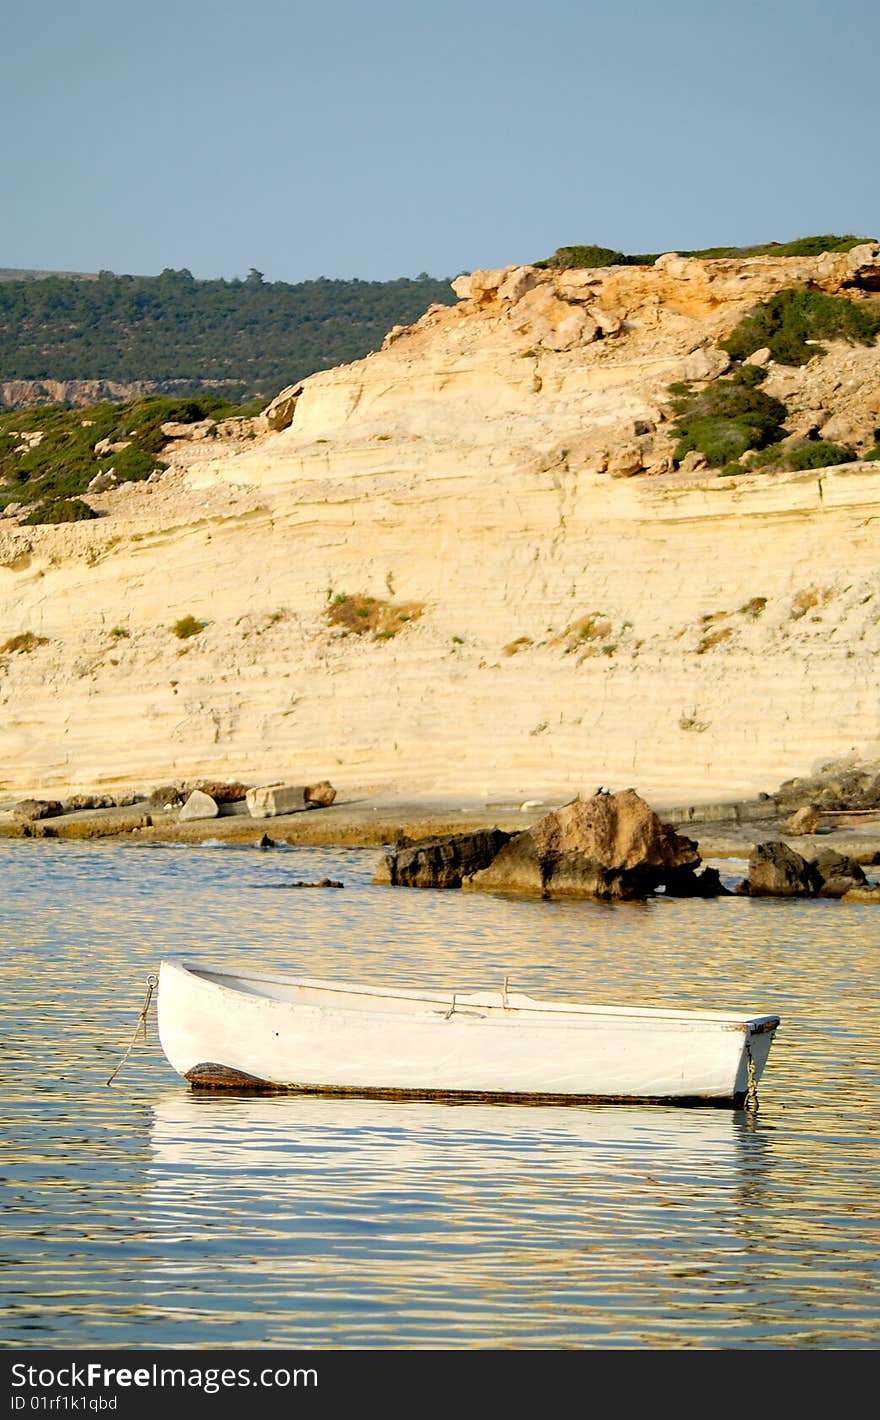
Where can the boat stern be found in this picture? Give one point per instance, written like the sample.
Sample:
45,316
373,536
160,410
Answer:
758,1035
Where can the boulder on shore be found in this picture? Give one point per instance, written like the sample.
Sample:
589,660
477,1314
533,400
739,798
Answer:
320,795
199,805
270,800
803,820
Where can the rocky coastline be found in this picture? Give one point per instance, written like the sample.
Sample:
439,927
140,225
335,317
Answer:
813,837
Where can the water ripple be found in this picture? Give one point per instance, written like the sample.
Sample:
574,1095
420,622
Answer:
144,1215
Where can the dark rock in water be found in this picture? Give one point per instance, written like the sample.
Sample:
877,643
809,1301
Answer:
684,882
839,873
515,867
839,887
440,862
519,868
611,846
775,870
323,883
838,865
29,810
572,874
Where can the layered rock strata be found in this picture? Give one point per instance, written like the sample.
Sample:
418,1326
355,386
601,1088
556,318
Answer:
587,613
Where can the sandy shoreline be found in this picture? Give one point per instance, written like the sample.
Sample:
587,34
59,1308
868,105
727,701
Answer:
721,830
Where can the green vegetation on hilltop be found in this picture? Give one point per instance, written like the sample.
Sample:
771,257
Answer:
588,256
251,337
48,455
792,324
735,425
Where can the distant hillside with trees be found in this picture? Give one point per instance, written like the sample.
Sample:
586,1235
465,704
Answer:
249,337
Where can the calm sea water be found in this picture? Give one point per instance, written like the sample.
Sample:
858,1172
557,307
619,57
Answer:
142,1215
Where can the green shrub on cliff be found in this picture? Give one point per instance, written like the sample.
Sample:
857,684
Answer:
60,510
725,419
583,256
793,323
808,453
48,452
23,643
187,626
360,614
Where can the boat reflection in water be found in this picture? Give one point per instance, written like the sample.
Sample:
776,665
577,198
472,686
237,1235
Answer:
346,1222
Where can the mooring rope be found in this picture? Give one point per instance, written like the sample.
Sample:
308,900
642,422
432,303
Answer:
751,1103
152,983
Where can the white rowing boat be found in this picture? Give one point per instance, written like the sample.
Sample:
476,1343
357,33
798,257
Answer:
248,1031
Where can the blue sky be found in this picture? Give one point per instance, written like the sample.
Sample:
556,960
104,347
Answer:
332,138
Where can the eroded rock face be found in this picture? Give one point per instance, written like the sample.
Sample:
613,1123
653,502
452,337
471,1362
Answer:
441,862
279,414
618,831
608,846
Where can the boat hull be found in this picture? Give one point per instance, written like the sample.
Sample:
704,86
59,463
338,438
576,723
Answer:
251,1033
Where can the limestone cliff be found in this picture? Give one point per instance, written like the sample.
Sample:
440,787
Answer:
571,610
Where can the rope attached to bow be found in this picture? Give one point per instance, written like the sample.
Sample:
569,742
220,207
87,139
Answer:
141,1025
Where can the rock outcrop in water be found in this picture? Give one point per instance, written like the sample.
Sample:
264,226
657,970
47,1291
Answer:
778,870
611,846
440,862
